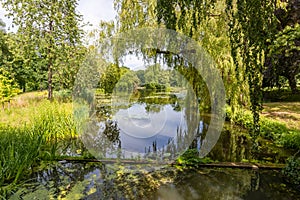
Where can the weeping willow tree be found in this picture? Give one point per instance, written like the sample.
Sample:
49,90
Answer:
252,25
236,33
195,19
204,21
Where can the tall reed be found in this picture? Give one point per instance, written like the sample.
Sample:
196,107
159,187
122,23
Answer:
19,151
51,127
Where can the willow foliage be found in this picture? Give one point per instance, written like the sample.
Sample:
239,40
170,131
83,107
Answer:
252,24
203,21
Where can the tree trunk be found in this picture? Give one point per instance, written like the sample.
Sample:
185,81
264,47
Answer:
293,84
23,87
50,82
50,73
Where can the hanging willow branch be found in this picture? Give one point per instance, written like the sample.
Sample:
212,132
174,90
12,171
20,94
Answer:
252,23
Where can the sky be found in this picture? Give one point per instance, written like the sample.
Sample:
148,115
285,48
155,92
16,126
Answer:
92,10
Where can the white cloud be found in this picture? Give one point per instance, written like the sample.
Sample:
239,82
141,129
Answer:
8,22
94,11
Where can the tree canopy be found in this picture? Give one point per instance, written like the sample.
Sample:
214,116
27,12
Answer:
258,30
253,43
48,39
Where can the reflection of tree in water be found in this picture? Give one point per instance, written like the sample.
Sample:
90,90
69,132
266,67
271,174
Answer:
193,134
98,181
207,184
233,145
103,112
89,181
112,132
59,179
153,108
155,102
103,139
189,135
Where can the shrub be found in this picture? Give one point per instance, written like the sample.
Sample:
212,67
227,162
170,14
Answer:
190,158
292,169
291,139
156,86
63,95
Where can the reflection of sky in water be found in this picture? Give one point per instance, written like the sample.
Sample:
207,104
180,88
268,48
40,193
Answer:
139,128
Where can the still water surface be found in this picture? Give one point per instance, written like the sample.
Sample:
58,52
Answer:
151,125
93,181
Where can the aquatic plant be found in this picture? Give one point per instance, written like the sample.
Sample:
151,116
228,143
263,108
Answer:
19,151
190,159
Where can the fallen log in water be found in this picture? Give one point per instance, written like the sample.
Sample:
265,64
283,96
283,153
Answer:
239,165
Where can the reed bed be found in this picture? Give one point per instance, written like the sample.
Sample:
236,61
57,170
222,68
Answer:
42,131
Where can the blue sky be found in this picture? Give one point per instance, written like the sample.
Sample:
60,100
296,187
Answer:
92,10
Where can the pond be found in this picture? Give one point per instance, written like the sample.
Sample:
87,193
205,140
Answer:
160,126
144,124
65,180
156,127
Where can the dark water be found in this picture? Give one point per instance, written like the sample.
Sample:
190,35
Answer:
235,145
71,180
95,181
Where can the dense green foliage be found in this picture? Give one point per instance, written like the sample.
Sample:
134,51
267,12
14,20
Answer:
241,55
292,170
47,45
8,89
190,159
284,57
282,61
252,23
154,77
8,86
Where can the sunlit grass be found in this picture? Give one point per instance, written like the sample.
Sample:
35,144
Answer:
285,112
22,108
31,133
280,131
19,150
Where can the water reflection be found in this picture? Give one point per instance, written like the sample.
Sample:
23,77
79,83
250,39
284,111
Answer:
159,126
97,181
147,124
227,184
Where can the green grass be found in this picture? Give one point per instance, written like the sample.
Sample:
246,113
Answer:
31,133
280,132
287,113
19,150
284,118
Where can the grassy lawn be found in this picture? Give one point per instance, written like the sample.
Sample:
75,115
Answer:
26,107
22,108
285,112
